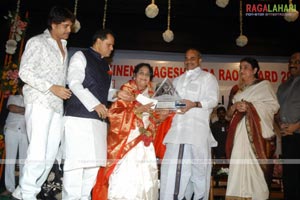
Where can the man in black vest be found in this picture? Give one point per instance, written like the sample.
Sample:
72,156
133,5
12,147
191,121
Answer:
85,149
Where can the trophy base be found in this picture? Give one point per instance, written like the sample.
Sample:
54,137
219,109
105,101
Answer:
170,105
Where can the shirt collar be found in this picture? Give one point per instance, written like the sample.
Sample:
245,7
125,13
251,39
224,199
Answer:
48,36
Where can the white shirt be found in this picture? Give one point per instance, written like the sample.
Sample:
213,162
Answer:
15,121
42,65
193,126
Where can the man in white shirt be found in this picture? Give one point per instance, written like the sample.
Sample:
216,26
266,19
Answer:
186,167
43,69
16,141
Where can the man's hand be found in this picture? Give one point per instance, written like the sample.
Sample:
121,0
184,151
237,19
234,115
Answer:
189,104
101,110
289,129
61,91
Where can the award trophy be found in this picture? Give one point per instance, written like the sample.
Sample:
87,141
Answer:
167,96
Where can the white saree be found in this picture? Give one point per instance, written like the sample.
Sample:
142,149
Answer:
135,177
246,178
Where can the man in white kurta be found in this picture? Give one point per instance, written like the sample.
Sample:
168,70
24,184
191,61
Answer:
189,140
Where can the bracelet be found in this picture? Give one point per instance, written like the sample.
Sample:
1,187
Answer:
197,104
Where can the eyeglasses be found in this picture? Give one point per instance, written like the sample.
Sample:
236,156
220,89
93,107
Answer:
294,62
144,74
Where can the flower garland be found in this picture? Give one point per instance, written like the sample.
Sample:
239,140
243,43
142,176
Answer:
17,30
9,79
151,10
149,132
222,3
292,13
9,72
76,26
104,14
168,35
242,40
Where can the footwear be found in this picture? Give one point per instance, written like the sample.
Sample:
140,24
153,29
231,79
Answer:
5,193
16,195
13,198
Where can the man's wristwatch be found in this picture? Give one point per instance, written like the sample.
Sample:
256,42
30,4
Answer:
197,103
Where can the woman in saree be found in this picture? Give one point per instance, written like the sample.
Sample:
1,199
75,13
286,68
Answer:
131,171
251,138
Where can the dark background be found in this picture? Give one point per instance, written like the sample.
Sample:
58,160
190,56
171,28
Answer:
195,23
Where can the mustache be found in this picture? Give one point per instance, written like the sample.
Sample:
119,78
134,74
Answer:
290,68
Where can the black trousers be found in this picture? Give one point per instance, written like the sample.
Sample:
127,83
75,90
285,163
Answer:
291,166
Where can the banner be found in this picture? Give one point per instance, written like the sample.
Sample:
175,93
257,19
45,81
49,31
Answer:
171,65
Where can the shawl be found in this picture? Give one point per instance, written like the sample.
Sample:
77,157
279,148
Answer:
122,121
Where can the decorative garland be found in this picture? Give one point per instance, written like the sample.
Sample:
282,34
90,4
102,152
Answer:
168,35
9,72
104,14
76,26
151,10
242,40
222,3
292,14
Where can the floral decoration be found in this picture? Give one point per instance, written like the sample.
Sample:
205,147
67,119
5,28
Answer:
149,132
241,41
9,79
168,35
292,13
17,29
222,3
110,72
151,10
76,26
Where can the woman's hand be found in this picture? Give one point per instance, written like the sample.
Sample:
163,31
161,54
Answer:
241,106
162,115
125,95
143,108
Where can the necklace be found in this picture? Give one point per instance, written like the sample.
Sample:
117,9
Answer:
245,86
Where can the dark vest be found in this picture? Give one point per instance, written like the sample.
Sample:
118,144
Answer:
97,80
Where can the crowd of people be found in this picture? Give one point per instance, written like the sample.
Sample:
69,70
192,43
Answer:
109,151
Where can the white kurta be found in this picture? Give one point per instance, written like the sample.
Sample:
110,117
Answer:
135,177
247,180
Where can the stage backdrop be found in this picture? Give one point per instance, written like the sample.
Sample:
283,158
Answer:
225,68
